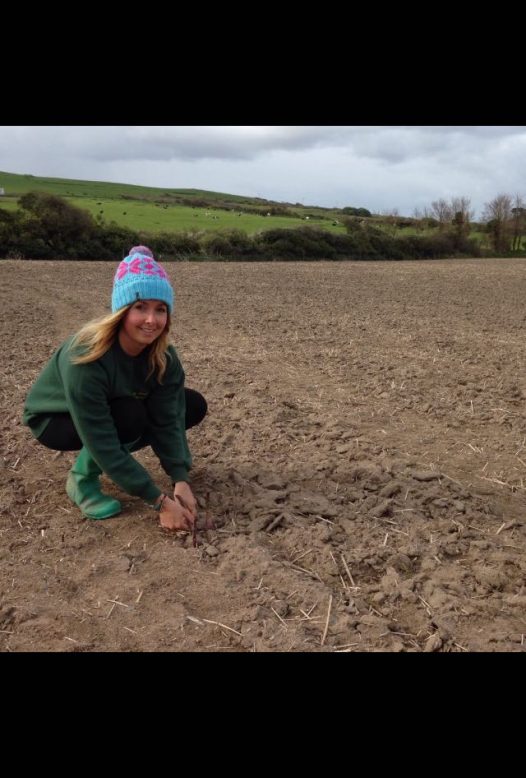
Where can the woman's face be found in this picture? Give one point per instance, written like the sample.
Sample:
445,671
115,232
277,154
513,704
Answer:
143,323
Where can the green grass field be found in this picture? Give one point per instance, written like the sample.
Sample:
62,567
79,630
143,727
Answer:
177,218
152,213
151,217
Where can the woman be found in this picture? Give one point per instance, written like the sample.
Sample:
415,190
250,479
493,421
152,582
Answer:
116,387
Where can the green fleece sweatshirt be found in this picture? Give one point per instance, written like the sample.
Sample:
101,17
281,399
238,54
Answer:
85,391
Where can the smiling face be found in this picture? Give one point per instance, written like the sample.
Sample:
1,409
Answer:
143,323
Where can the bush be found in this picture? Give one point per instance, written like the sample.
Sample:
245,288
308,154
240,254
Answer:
173,246
302,243
356,212
58,223
234,244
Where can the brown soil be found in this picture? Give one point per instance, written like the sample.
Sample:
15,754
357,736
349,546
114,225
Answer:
364,461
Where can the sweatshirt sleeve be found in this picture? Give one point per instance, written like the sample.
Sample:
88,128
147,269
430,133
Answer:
166,411
86,390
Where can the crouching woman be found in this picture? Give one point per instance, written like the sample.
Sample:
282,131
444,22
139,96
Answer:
116,387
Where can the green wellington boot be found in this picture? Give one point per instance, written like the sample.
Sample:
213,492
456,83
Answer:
83,488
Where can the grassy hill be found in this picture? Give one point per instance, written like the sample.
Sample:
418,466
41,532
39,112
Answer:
170,210
16,185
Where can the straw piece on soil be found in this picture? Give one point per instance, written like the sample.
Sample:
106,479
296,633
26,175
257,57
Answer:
218,623
426,604
195,620
304,570
311,609
299,556
327,621
347,570
279,617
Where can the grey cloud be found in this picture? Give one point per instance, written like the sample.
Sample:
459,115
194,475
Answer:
389,144
195,143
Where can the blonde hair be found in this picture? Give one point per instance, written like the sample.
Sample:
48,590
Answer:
98,336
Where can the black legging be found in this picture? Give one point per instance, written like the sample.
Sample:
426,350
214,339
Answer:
131,421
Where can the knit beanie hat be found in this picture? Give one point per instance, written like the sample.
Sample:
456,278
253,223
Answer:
140,277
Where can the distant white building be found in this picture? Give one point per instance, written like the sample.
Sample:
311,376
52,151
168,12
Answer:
2,190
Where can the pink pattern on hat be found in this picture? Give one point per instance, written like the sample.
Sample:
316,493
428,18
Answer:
140,265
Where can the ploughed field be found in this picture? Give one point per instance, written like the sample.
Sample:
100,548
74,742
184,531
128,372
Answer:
363,463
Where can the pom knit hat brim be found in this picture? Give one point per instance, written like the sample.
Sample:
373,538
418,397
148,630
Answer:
137,289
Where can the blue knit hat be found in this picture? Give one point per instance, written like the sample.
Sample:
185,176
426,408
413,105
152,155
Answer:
140,277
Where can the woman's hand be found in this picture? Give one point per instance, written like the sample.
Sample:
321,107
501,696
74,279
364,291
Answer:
183,494
175,516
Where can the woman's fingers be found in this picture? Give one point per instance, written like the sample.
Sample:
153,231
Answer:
186,506
187,514
177,515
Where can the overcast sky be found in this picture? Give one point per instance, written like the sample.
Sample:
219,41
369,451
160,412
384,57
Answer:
379,168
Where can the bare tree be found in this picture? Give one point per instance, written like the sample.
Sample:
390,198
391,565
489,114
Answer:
518,221
497,215
442,212
462,215
463,205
